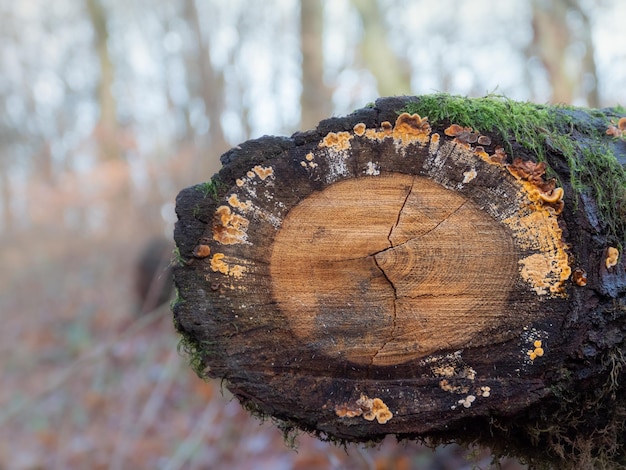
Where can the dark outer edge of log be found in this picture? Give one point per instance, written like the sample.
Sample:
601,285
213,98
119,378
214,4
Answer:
586,344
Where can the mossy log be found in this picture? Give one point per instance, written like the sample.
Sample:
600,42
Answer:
429,267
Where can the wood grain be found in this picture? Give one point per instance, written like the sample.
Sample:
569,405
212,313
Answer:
382,270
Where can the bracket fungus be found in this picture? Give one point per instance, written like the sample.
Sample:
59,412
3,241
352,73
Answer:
612,256
229,228
617,129
202,251
537,351
370,408
579,276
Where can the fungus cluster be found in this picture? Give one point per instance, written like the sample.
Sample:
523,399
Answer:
612,255
359,129
453,367
309,157
263,172
234,201
467,401
617,129
445,370
337,140
533,173
466,136
447,386
408,129
579,276
455,376
229,228
499,155
219,265
537,352
370,408
412,124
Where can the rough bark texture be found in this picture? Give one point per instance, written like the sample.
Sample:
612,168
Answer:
442,276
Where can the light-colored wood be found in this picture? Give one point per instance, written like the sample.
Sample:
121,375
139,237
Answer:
381,270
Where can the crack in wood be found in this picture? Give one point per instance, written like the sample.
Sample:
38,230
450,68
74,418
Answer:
409,240
394,226
393,325
442,221
395,292
392,246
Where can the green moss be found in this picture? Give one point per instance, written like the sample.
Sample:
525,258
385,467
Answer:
196,210
210,188
177,258
606,178
526,123
196,352
290,433
577,134
177,299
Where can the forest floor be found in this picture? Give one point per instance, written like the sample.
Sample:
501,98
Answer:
88,384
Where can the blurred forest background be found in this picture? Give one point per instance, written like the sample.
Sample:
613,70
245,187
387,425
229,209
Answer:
108,108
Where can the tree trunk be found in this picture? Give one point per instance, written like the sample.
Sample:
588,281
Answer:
392,73
107,131
209,83
432,266
316,96
570,77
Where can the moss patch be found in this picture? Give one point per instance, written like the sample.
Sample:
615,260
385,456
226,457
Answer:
606,178
176,260
211,188
196,352
576,135
526,123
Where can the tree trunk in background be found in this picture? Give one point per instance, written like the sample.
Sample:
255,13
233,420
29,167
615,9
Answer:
387,273
392,74
316,97
551,40
210,86
5,194
589,70
107,127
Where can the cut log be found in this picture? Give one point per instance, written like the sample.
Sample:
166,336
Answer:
431,267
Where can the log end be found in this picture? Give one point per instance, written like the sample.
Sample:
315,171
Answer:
396,273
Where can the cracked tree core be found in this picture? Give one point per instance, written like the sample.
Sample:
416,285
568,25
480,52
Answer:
382,270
